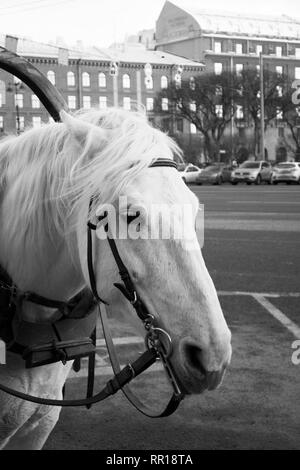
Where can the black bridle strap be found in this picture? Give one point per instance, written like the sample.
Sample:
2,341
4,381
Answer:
131,397
163,162
92,278
116,383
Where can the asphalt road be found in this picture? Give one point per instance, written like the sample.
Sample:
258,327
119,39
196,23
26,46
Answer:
252,250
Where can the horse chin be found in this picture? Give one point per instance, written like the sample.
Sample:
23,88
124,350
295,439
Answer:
196,384
194,381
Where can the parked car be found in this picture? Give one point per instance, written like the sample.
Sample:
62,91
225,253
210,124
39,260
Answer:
252,172
217,173
190,173
287,172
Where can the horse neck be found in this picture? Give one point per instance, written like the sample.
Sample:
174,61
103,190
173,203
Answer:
50,268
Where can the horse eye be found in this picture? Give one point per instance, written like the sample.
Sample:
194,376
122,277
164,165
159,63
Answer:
130,218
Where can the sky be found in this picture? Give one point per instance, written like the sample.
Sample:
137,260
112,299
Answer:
103,22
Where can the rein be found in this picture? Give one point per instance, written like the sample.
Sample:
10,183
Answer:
157,340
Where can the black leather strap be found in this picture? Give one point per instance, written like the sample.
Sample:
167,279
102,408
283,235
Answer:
112,386
163,162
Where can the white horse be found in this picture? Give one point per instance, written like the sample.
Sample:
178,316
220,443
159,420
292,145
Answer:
47,178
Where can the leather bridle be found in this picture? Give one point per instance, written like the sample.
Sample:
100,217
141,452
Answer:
157,340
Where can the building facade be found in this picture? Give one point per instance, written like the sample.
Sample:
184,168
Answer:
233,42
93,77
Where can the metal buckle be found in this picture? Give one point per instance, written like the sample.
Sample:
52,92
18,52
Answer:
152,340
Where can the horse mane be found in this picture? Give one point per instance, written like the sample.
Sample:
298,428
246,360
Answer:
46,175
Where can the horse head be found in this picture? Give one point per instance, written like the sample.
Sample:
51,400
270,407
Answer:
131,202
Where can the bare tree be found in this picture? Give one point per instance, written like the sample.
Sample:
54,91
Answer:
249,98
207,101
290,113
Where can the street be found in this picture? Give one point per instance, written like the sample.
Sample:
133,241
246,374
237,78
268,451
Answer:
252,251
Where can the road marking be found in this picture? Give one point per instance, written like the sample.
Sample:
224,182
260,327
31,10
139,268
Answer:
263,294
264,202
107,370
276,313
121,341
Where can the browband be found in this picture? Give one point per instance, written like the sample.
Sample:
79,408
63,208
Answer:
163,162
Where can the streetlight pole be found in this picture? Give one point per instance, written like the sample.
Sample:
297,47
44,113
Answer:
17,86
262,108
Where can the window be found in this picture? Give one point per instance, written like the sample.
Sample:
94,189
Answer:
20,123
280,131
102,80
193,107
297,72
239,68
86,102
279,91
219,90
192,83
177,80
278,113
149,104
51,76
278,51
219,110
102,102
2,93
239,112
36,121
35,102
259,49
86,79
218,47
126,80
70,78
178,104
149,83
297,52
1,123
279,69
126,103
72,102
193,128
165,104
258,69
16,80
218,68
239,48
19,100
179,125
164,82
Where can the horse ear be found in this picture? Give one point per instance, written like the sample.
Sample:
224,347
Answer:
80,129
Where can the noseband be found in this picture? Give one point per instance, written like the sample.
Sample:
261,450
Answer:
158,341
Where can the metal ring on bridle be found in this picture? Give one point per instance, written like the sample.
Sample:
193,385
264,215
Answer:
152,340
134,298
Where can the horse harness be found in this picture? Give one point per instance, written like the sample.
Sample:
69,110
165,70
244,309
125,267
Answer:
79,315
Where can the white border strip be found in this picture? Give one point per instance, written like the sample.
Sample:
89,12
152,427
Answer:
276,313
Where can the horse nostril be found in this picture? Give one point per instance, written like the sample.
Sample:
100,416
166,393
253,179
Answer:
192,355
